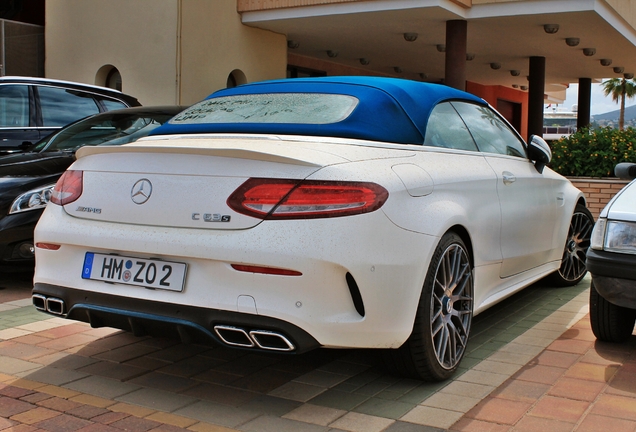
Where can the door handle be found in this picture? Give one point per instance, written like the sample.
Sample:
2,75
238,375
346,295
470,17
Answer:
508,177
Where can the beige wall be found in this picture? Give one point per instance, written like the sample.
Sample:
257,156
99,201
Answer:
255,5
626,9
137,37
167,51
213,47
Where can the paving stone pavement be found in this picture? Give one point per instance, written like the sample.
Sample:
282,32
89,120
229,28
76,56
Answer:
532,363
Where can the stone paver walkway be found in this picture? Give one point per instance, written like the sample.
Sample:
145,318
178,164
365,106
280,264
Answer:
577,383
532,363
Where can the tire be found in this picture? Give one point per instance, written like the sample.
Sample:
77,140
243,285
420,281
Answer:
572,268
610,323
444,315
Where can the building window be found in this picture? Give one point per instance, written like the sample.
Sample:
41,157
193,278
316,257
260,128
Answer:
109,76
511,111
236,78
113,79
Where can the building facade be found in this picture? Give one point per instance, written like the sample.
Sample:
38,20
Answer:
516,54
165,51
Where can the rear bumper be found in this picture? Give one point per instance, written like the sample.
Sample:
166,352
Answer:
364,295
150,318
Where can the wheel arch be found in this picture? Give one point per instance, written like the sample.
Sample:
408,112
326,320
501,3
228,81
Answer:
431,353
462,232
581,201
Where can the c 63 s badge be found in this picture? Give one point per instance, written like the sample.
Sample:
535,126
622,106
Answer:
211,217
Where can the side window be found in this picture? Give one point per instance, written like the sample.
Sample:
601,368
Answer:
445,128
14,106
490,132
62,106
111,104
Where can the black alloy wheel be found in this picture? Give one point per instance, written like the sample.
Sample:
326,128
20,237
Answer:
572,268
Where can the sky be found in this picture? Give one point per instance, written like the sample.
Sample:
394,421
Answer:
600,103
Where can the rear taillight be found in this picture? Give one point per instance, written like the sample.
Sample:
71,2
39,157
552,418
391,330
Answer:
297,199
48,246
68,188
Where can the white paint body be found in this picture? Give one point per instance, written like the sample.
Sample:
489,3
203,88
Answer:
517,229
621,207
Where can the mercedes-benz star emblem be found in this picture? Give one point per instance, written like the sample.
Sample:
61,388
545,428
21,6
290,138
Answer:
141,191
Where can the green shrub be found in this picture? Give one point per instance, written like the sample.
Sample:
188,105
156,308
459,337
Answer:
593,152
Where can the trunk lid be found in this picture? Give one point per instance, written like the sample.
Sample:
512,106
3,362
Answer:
185,182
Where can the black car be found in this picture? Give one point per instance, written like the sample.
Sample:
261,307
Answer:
26,179
32,108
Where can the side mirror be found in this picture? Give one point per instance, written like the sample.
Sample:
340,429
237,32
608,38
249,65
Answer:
539,152
625,171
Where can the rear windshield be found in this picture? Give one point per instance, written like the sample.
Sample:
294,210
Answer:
294,108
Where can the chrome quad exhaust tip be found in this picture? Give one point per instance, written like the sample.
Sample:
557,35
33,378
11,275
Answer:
234,336
39,301
269,340
263,339
51,305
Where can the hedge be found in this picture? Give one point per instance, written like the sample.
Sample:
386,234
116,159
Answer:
593,152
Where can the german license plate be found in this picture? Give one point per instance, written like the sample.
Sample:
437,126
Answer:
148,273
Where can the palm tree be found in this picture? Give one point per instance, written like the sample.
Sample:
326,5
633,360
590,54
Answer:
620,88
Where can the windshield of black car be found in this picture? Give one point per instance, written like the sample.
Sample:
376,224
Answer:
293,108
115,130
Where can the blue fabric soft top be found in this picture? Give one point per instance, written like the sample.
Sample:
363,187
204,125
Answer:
388,109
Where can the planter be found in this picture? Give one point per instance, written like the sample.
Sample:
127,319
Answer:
598,191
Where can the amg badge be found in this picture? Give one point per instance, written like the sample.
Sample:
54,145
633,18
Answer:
88,209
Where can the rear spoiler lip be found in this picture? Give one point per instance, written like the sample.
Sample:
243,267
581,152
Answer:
272,151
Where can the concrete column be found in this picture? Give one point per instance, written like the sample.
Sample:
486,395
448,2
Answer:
585,103
455,61
536,89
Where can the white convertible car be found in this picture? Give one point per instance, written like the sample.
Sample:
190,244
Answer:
333,212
